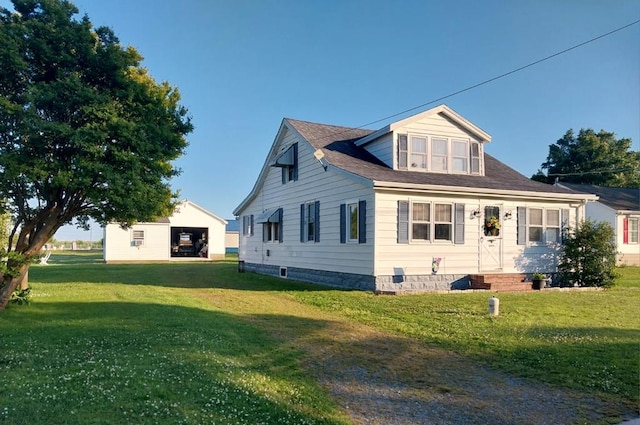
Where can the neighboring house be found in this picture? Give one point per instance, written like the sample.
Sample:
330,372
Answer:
619,207
232,237
190,233
409,207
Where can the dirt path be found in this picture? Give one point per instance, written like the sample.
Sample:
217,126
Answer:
382,379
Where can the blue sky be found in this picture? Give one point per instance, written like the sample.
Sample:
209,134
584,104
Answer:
241,66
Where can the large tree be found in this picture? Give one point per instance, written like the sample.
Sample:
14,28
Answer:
592,158
85,131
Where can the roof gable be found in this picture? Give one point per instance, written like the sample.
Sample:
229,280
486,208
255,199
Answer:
186,203
343,150
441,110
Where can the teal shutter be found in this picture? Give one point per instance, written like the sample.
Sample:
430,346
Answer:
295,162
302,223
343,223
362,222
316,227
280,225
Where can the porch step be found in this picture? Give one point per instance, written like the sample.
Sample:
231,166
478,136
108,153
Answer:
500,282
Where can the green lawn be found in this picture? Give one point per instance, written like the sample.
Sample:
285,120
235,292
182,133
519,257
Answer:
175,343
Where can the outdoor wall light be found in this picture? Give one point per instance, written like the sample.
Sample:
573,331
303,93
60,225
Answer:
475,213
507,215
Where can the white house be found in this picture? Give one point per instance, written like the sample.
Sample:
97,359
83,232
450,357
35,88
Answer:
620,207
416,205
190,233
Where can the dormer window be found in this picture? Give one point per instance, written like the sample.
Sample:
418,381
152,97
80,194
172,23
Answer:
438,154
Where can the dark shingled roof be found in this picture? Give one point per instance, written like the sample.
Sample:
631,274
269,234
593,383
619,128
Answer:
339,148
620,199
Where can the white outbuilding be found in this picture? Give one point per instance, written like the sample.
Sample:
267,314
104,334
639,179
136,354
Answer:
191,233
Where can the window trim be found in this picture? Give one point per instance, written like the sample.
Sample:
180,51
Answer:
289,172
404,153
137,237
345,222
306,220
524,225
406,221
272,225
629,233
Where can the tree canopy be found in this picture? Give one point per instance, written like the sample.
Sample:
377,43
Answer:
591,158
85,131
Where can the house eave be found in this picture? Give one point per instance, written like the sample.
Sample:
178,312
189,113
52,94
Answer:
460,190
482,135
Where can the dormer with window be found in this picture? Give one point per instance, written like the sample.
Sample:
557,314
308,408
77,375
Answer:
435,141
420,152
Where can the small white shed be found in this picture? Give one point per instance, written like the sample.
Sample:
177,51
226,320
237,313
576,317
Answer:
190,233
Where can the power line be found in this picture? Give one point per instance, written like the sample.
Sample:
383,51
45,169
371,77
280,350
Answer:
503,75
486,81
582,173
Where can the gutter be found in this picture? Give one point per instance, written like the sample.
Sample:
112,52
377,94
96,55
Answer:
455,190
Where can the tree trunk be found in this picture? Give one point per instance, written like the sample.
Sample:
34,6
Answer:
9,287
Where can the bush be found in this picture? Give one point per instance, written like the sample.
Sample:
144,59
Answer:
589,256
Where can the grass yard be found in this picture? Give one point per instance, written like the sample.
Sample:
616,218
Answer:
191,343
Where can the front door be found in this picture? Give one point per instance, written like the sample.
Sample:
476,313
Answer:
491,238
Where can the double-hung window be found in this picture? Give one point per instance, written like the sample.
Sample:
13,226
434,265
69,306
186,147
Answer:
630,229
541,225
438,154
247,225
310,222
271,225
460,156
442,222
421,221
429,222
353,224
418,152
552,226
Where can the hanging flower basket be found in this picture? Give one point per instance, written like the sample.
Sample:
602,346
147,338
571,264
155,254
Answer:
492,226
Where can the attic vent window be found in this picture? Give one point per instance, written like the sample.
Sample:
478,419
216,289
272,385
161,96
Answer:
288,162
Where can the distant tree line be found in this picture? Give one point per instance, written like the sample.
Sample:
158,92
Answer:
591,158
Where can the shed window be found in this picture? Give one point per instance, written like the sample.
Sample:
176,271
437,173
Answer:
138,237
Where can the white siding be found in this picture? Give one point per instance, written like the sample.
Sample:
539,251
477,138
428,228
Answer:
415,258
313,184
383,149
437,126
119,244
434,125
628,253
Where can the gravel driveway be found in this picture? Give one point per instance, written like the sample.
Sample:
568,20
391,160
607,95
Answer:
382,379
